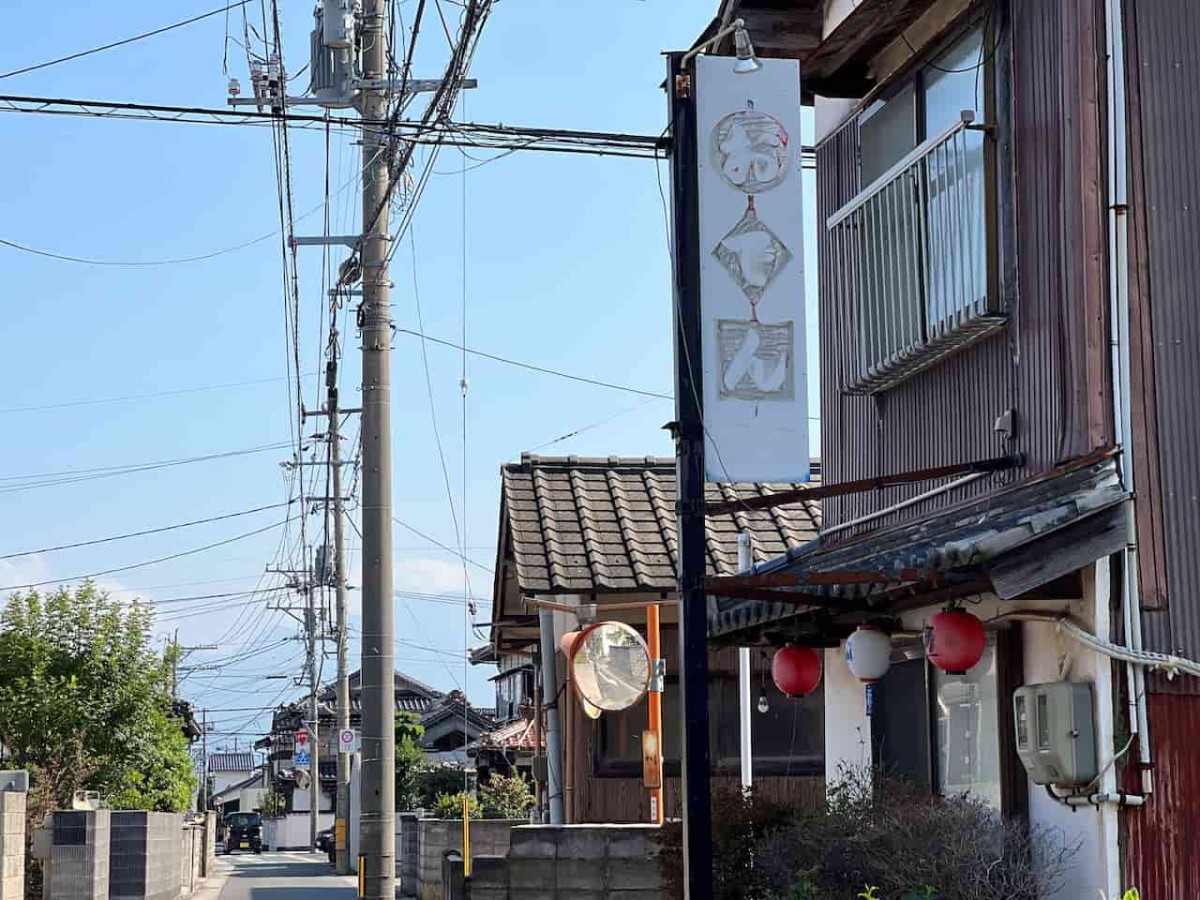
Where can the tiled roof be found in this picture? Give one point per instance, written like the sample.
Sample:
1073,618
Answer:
231,762
519,734
595,525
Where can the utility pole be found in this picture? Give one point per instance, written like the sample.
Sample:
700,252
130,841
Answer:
201,807
175,666
689,478
342,804
314,736
378,822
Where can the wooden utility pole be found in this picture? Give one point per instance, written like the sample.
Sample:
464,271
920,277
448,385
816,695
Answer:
378,821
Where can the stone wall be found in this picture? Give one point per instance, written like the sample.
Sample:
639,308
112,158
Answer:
12,845
489,837
579,862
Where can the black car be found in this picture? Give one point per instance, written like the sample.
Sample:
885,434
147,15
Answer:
325,840
243,831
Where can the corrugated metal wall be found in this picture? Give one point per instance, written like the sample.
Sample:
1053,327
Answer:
1040,366
1162,850
1165,118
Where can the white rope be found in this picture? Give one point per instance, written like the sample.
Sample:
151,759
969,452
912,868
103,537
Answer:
1170,664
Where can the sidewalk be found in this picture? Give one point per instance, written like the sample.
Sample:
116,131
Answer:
211,889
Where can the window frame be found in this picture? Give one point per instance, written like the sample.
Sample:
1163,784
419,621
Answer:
998,277
1014,792
764,766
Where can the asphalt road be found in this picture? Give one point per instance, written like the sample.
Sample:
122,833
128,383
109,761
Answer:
284,876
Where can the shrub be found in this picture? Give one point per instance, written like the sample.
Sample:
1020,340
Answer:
884,838
740,821
506,798
450,806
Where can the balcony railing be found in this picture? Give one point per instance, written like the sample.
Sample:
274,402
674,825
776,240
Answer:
910,263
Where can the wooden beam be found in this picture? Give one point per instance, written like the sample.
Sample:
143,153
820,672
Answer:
770,501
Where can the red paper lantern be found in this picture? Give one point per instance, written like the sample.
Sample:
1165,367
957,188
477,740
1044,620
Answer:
954,641
796,670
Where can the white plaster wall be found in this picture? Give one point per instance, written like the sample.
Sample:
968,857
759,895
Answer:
1049,656
847,728
222,780
828,114
835,12
293,830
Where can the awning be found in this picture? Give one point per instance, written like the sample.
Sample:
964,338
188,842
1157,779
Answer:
1009,542
840,65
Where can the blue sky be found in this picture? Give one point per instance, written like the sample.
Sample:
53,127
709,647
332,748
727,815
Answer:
566,268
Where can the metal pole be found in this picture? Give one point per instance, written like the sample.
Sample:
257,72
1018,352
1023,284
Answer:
342,804
745,562
689,479
654,710
378,821
550,703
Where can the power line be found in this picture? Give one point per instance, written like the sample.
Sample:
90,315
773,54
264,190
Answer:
64,257
442,132
115,263
140,565
143,533
533,368
174,392
124,41
18,483
435,542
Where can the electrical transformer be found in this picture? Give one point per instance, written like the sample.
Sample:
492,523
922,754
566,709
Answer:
1056,735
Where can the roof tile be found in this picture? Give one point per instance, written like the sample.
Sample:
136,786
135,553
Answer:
591,525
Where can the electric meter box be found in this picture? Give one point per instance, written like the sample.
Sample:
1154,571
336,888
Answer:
1056,734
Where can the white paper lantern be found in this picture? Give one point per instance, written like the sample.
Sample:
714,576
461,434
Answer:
868,654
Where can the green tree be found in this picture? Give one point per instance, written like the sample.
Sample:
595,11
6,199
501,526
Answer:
436,779
85,704
410,759
506,798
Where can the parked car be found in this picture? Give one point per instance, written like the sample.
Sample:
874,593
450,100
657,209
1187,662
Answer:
243,831
325,840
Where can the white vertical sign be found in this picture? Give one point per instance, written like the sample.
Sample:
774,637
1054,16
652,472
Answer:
752,271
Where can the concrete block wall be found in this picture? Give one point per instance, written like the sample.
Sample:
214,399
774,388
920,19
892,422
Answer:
146,856
210,843
489,837
580,862
408,852
191,838
12,845
79,855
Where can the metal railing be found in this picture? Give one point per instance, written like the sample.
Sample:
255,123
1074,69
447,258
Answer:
910,262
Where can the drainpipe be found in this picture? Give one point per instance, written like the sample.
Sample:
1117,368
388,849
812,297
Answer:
745,562
1118,280
550,703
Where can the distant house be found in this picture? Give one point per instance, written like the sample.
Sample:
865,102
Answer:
225,769
450,725
575,532
242,796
